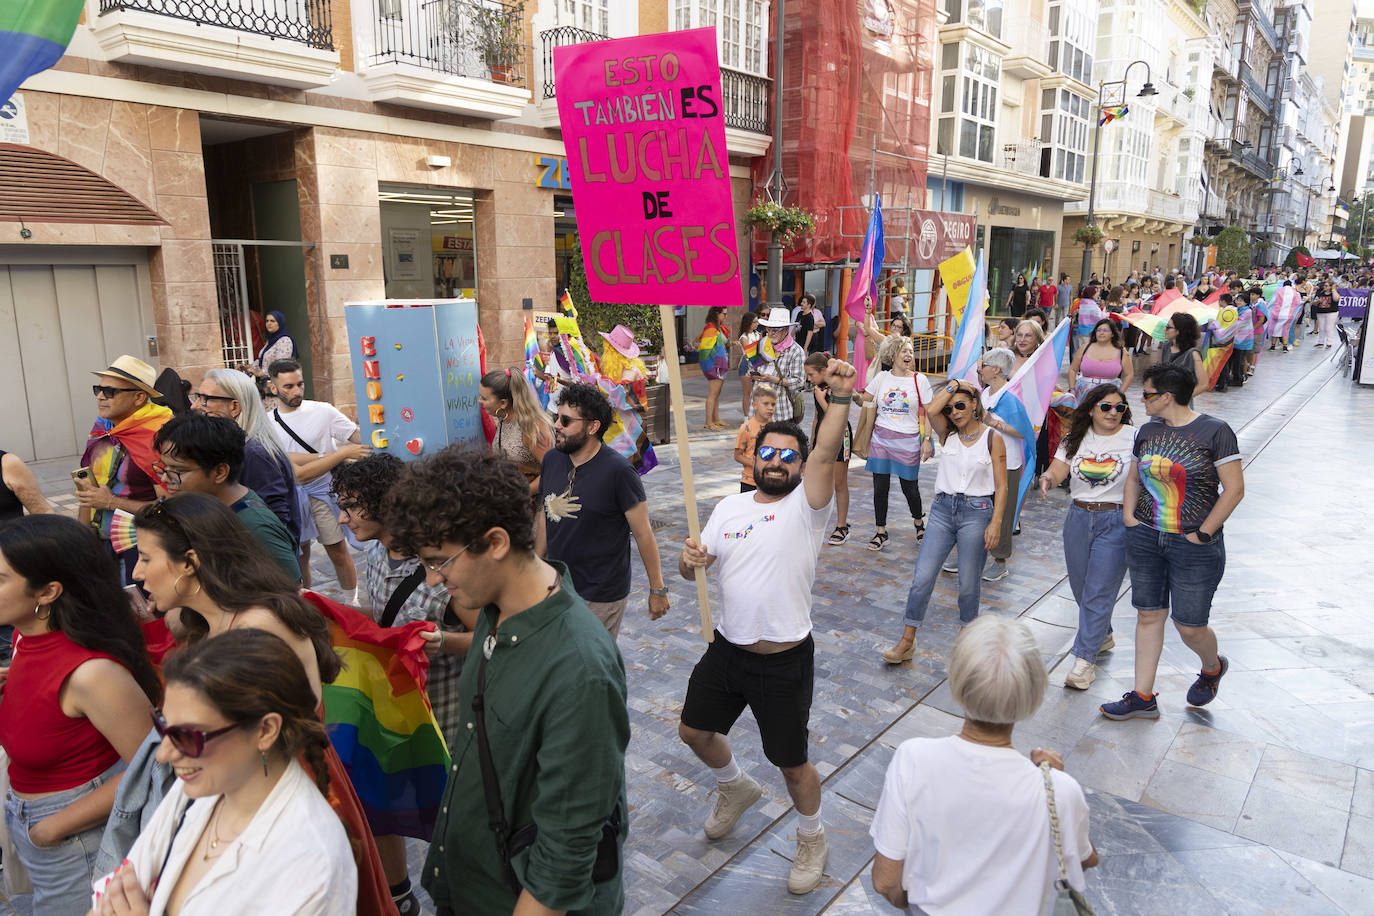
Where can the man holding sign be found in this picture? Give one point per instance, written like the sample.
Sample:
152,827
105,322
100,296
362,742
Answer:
765,545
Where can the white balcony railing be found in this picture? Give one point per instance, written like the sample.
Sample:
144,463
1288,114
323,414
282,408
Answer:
1023,156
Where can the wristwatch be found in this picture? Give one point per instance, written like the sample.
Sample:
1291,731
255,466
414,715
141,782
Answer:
659,592
1203,536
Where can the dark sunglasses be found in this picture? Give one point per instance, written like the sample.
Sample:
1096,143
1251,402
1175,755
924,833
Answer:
785,455
205,399
108,391
1111,408
565,421
188,741
1151,395
956,405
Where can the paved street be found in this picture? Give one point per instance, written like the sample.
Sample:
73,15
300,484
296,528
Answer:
1262,802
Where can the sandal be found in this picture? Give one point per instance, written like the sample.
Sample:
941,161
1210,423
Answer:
878,540
920,530
839,535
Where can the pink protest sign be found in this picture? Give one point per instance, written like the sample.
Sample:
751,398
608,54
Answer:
643,123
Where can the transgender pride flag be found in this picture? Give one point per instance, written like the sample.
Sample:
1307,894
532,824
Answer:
1283,310
33,36
968,340
1025,400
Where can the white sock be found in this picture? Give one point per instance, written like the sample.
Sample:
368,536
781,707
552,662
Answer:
809,824
728,773
356,597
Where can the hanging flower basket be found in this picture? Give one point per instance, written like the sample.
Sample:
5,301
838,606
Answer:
1200,240
786,222
1089,236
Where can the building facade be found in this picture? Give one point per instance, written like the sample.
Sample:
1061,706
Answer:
313,153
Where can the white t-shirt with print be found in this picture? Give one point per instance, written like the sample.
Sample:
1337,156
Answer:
319,423
971,826
766,560
1098,470
899,400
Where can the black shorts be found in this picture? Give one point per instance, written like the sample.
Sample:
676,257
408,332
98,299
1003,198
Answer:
777,688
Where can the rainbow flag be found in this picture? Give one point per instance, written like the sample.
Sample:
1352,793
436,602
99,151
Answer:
712,349
760,353
35,35
380,722
1214,362
1151,324
1024,402
580,361
534,360
968,339
566,304
1111,114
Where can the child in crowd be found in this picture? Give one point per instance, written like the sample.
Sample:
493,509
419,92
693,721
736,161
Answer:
764,401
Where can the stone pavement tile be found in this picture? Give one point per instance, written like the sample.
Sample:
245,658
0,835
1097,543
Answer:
1216,752
1358,855
1121,757
1196,794
1056,610
1362,800
1253,879
923,721
1324,782
859,898
1352,893
1242,624
1144,885
1176,833
1114,831
1348,651
1261,654
861,780
1294,824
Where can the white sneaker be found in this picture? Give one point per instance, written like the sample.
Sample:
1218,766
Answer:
951,568
809,863
1082,676
1108,644
734,799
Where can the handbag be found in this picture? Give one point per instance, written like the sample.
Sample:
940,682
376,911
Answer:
1068,902
15,876
863,433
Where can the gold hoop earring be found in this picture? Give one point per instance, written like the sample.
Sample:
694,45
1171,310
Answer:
176,586
36,608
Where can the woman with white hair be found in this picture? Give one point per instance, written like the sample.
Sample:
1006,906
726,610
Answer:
266,469
964,823
995,369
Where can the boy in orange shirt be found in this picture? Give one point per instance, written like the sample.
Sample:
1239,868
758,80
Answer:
765,401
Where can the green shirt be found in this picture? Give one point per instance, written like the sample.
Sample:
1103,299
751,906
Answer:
558,728
270,532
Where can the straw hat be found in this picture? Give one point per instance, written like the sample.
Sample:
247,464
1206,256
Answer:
132,369
777,318
623,340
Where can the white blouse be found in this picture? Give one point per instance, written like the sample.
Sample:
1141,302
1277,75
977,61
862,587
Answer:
965,469
294,853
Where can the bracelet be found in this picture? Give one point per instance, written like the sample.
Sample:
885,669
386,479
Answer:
841,398
659,592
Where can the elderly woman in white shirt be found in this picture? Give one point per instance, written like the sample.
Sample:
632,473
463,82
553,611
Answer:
245,829
963,825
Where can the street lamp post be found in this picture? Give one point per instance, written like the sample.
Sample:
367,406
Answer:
1118,96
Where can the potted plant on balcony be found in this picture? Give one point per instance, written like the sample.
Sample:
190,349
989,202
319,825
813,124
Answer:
1200,240
785,223
1089,236
497,31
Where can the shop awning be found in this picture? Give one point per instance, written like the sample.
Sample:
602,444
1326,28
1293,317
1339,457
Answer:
39,187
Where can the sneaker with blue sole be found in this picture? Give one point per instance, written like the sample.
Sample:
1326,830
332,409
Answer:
1132,706
1204,689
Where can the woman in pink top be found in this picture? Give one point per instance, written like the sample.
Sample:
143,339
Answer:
1104,361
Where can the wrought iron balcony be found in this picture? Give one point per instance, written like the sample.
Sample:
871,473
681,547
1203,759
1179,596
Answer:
561,37
309,22
479,39
746,100
1257,165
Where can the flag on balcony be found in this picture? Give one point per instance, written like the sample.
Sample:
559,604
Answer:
1024,401
1111,114
968,340
34,34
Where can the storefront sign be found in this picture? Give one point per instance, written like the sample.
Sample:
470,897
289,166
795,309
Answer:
995,208
1354,302
14,122
643,126
452,243
940,236
405,260
553,173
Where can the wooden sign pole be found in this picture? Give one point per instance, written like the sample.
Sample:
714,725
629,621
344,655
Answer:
684,456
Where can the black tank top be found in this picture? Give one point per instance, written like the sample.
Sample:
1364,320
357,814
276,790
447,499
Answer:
10,506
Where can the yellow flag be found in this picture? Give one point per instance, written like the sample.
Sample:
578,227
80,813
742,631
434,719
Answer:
956,273
567,325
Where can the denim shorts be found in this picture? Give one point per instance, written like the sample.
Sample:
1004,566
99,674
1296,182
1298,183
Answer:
61,874
1170,572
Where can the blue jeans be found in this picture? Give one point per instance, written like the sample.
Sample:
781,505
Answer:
954,520
1168,571
61,874
1095,553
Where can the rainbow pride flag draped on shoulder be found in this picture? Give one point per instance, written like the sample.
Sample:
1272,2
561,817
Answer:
1024,401
713,350
380,722
34,35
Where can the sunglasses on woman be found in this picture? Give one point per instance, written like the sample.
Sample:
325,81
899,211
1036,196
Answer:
188,741
785,455
956,405
1112,408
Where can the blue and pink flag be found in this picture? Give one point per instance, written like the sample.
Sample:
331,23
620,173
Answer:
34,35
1025,400
1283,311
865,282
968,339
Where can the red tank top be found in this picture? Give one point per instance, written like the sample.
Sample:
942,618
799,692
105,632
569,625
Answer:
49,750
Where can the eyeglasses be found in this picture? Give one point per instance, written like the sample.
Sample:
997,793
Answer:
785,455
350,508
171,475
188,741
108,392
1112,408
438,569
205,399
1151,395
565,421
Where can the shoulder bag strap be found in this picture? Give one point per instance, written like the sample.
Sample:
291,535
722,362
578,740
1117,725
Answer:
276,415
1063,881
496,815
398,598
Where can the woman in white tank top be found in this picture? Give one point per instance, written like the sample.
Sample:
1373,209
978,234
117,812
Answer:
970,500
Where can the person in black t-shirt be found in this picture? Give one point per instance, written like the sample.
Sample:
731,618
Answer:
810,325
592,502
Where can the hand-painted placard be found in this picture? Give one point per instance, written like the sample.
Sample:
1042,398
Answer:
1354,302
644,129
